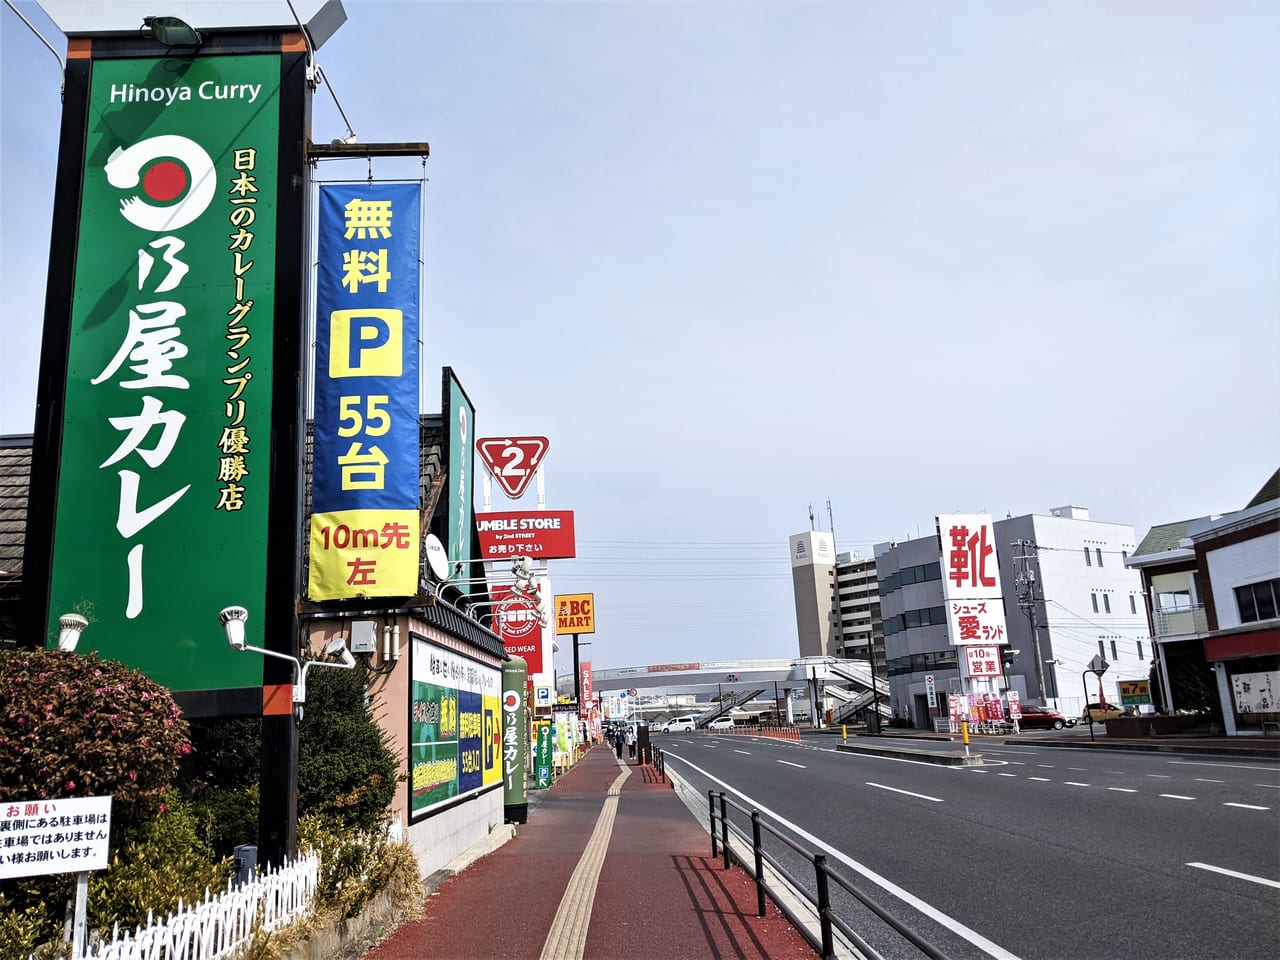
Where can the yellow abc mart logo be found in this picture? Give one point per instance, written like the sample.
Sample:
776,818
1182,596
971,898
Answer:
366,343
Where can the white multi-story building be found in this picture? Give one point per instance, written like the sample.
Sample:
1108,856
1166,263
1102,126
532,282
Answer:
1067,573
1062,572
856,615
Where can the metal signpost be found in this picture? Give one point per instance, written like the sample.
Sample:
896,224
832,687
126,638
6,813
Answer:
1098,667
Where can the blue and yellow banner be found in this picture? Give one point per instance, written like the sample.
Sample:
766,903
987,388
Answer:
365,539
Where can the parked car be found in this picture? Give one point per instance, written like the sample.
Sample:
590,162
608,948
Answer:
1101,712
721,723
683,724
1042,718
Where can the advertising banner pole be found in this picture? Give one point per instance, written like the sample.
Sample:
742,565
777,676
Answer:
515,741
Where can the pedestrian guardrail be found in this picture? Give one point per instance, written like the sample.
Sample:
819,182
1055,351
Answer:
734,844
788,732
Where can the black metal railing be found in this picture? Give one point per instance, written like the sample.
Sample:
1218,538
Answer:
719,805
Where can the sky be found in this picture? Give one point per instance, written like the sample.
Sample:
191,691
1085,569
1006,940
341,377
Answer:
739,260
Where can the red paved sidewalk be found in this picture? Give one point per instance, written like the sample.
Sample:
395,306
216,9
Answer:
659,894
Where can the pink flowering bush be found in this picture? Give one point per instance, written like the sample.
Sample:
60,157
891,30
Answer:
74,725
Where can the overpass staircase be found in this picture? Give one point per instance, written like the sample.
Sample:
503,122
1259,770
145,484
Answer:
727,705
863,697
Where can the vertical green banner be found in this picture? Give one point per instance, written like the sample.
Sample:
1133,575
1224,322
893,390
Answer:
162,498
542,757
515,740
460,418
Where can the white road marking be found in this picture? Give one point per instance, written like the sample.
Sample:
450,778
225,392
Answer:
1047,766
1176,796
1073,783
920,796
1040,779
1273,786
1245,806
1006,775
747,752
952,924
1239,876
1158,776
1078,769
978,770
991,948
790,764
1205,780
1228,766
1122,789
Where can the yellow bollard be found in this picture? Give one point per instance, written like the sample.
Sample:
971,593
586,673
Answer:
844,732
964,729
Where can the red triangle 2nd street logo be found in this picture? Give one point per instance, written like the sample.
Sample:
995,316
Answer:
512,460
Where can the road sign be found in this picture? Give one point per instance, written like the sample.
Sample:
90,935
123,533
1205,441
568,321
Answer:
512,460
1098,665
932,691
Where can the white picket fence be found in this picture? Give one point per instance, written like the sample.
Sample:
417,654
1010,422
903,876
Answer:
219,927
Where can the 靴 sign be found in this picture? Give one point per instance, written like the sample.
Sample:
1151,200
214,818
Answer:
512,460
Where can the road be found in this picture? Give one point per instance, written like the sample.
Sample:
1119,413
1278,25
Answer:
1039,852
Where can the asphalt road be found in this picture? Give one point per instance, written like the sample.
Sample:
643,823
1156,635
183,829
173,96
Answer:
1040,852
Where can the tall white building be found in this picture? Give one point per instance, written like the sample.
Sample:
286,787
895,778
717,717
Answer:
813,564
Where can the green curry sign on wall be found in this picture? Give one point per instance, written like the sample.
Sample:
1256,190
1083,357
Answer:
162,500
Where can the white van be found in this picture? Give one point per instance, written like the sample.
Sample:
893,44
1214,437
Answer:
685,724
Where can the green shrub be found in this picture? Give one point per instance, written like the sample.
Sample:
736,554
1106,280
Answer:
346,770
356,865
22,930
167,862
74,725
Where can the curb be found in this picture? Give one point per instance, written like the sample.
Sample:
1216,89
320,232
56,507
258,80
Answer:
907,753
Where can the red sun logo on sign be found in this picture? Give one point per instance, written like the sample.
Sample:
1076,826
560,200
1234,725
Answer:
512,460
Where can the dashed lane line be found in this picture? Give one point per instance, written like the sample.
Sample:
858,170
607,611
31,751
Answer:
1122,789
1074,783
1233,873
1246,806
1176,796
746,752
1040,779
790,764
908,793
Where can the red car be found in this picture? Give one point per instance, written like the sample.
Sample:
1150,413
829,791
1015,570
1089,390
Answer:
1042,718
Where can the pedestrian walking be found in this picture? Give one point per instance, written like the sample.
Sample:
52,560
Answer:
619,738
631,741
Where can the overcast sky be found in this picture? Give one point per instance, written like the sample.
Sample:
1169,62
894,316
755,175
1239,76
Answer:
737,259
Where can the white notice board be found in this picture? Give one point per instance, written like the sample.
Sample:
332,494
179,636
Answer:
66,835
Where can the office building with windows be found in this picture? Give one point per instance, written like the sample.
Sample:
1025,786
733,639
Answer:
1068,597
856,613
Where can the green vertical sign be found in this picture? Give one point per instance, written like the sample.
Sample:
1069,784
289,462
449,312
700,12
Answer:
515,740
542,757
460,423
162,500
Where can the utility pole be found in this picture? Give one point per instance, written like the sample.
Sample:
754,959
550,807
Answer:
1029,597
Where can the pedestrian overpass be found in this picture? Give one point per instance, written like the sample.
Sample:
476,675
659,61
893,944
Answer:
714,688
